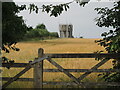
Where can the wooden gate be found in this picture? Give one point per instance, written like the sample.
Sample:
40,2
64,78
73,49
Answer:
37,64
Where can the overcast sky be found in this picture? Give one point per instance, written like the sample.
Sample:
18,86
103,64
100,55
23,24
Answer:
82,19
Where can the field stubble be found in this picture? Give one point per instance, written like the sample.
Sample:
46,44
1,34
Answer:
28,51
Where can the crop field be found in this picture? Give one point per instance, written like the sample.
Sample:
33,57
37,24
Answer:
28,51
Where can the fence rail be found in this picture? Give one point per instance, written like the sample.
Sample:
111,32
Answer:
73,70
85,55
17,65
37,64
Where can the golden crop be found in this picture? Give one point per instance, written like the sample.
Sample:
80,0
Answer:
28,51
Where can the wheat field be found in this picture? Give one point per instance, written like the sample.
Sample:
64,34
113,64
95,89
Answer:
28,51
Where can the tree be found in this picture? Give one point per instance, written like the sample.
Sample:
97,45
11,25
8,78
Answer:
111,39
54,10
13,26
40,32
54,34
41,26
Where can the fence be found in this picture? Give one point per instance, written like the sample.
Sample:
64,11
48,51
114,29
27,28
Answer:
37,64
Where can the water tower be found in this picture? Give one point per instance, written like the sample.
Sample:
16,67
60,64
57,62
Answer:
66,30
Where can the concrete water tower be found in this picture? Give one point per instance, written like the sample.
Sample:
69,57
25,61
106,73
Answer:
66,30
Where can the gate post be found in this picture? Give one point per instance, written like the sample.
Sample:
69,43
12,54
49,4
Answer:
38,71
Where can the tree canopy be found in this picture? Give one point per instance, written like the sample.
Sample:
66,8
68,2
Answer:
40,32
13,26
110,18
51,9
111,40
41,26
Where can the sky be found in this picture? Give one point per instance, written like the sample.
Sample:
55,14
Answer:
82,18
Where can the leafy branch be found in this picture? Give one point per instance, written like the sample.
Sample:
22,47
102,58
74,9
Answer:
53,10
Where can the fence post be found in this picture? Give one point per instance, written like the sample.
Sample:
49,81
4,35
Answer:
38,71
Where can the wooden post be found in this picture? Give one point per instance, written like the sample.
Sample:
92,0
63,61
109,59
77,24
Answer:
38,71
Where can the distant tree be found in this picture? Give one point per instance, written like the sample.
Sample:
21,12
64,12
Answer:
81,37
40,26
40,32
32,34
54,34
43,32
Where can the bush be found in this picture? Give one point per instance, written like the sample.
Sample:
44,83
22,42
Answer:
54,34
32,33
43,33
40,34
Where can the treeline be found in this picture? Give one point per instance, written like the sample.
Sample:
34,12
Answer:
40,32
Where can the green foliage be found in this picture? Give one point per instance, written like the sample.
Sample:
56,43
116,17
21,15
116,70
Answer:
13,26
40,26
40,32
56,10
44,33
111,39
81,37
8,61
37,33
82,2
32,8
53,34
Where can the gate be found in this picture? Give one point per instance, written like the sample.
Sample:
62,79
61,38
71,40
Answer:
37,64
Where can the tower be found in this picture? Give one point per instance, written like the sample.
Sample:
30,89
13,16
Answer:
66,30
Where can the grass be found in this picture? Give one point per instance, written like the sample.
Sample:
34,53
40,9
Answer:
28,51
